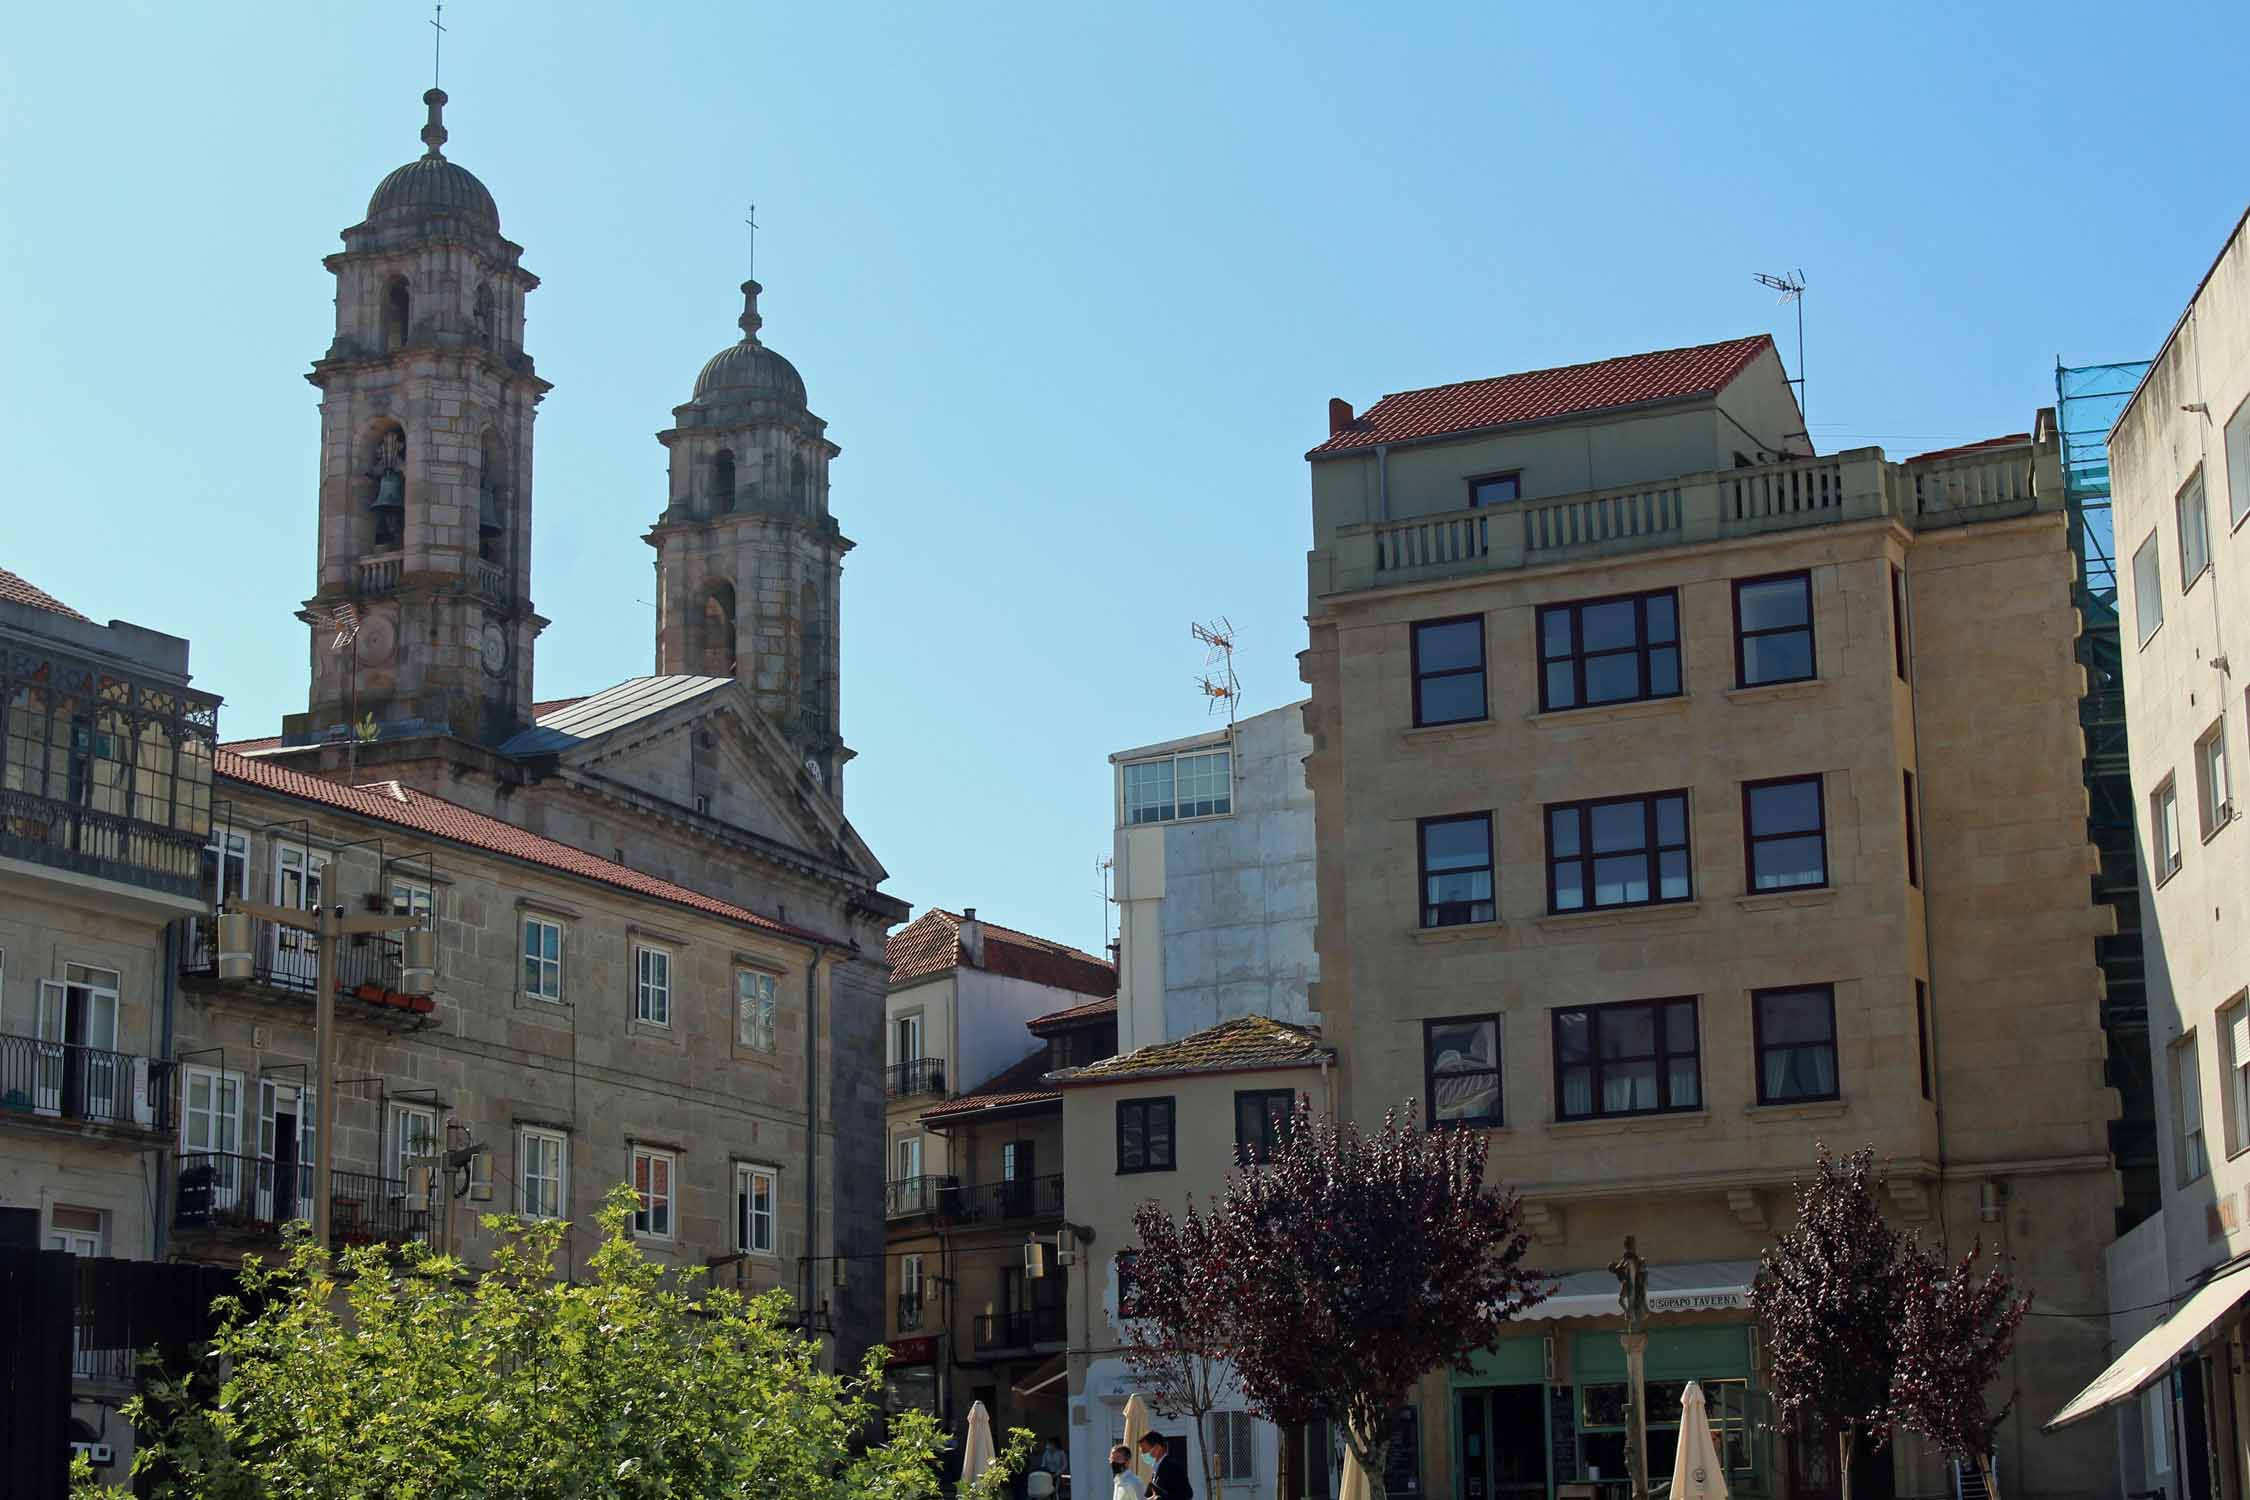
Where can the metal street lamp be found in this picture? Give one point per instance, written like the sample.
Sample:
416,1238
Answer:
326,924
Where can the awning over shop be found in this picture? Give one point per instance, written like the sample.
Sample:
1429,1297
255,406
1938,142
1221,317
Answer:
1695,1286
1045,1377
2153,1352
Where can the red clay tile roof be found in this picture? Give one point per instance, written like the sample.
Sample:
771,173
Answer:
931,944
2012,440
555,705
403,807
1076,1015
18,590
1242,1044
1010,1088
1543,395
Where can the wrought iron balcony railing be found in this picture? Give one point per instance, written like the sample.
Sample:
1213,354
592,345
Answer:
909,1312
1024,1198
108,845
927,1194
1022,1329
257,1195
284,959
90,1085
922,1075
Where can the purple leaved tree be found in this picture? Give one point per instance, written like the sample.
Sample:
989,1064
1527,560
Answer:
1358,1263
1177,1297
1958,1330
1828,1297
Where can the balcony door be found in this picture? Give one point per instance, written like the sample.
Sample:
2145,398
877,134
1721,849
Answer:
298,875
907,1037
1016,1177
78,1075
285,1151
211,1176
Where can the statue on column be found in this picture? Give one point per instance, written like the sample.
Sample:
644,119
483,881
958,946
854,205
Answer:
389,504
1632,1287
1632,1297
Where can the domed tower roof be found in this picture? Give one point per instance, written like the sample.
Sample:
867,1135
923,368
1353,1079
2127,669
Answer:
433,185
748,369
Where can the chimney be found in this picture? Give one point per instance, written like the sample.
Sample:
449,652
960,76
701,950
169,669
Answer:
1339,415
972,937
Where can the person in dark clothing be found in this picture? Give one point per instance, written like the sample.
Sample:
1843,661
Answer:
1171,1482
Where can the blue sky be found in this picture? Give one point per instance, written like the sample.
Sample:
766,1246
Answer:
1071,285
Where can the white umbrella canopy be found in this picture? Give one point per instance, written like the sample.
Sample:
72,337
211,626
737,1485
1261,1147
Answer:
1136,1428
976,1450
1354,1486
1697,1473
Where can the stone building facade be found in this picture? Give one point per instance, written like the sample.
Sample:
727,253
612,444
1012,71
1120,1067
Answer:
1685,798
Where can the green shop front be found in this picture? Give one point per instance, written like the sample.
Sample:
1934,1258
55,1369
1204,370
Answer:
1543,1415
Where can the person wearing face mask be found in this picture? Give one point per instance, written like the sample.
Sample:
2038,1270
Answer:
1124,1484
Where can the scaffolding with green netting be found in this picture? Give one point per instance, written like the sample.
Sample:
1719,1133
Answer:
2088,401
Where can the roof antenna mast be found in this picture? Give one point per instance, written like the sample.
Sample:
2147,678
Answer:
1218,682
1791,285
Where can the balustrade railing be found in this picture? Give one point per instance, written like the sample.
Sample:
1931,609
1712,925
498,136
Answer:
1973,482
64,1081
1804,489
105,844
380,575
1432,541
1577,520
492,582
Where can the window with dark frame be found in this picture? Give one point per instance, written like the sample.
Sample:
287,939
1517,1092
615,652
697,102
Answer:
1773,630
1785,835
1922,1031
1795,1032
1898,619
1448,671
1144,1135
1128,1282
1495,489
1619,650
1913,838
1456,865
1636,1057
1261,1119
1461,1070
1618,851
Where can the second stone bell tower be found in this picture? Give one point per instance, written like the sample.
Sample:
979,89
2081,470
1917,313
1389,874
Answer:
427,400
749,562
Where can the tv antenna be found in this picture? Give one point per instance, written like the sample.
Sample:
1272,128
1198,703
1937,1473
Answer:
1218,682
1791,285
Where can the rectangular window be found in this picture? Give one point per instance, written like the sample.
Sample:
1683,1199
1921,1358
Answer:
1461,1070
1144,1135
1898,620
2195,533
910,1284
75,1231
1261,1118
1231,1446
1796,1038
2234,1060
754,1009
1597,651
1922,1032
412,898
906,1037
413,1136
2187,1111
1913,838
2164,831
1495,489
2156,1401
1621,851
2238,465
757,1196
2148,589
1773,630
652,986
1634,1058
652,1193
2213,797
1448,659
1785,833
542,959
1456,857
1198,785
542,1162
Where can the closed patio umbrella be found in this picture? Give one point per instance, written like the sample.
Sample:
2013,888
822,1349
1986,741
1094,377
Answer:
1697,1473
976,1450
1136,1428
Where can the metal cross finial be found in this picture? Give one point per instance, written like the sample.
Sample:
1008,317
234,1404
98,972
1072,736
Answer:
437,45
752,221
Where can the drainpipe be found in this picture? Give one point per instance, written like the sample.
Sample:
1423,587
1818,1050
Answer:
812,1133
167,993
1382,481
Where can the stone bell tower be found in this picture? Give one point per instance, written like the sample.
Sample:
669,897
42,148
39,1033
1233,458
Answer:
427,399
748,560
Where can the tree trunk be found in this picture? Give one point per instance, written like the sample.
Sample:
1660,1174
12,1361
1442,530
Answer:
1844,1438
1286,1485
1991,1481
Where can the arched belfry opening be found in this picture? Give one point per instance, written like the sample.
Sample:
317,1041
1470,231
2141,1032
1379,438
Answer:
492,499
812,639
714,631
722,481
398,312
385,477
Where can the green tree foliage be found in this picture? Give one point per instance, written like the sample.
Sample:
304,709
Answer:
422,1381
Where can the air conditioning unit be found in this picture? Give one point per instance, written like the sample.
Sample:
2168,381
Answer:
1034,1260
144,1105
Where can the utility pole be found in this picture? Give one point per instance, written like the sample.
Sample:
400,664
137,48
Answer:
327,924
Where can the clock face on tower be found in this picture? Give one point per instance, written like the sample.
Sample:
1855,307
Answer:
494,649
